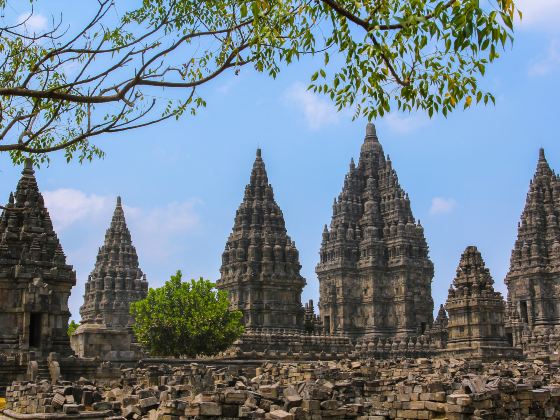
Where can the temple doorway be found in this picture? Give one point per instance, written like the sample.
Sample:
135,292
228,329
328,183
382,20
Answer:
35,330
524,312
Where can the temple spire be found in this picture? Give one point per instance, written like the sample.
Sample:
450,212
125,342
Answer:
541,155
475,311
539,226
472,272
373,230
34,271
260,260
542,165
535,258
116,279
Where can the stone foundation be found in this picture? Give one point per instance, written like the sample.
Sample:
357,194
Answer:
98,340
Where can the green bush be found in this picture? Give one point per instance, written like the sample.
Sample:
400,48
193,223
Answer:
185,319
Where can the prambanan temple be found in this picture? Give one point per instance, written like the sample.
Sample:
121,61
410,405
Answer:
374,272
375,275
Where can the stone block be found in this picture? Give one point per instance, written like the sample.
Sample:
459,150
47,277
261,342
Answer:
58,400
435,406
147,403
230,410
292,401
329,405
210,409
235,397
311,405
71,409
281,415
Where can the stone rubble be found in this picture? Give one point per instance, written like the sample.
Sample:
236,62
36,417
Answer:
65,397
454,389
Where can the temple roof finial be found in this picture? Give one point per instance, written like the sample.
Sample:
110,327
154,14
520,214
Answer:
370,130
541,154
28,167
258,152
119,204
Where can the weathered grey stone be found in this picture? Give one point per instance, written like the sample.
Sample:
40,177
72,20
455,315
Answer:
114,283
375,274
476,312
260,264
534,273
71,409
35,281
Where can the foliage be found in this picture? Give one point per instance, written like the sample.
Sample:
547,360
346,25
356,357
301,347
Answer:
72,327
185,318
375,56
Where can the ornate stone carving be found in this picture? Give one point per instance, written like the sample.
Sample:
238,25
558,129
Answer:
35,281
260,264
476,311
116,279
374,271
534,274
115,282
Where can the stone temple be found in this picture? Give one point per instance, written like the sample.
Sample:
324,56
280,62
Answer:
115,282
260,263
35,281
374,272
375,298
476,312
533,280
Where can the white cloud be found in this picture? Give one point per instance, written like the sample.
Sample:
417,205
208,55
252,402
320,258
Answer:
318,112
34,23
442,205
153,230
549,62
67,206
405,123
540,15
167,220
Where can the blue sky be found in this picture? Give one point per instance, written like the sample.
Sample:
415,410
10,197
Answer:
181,181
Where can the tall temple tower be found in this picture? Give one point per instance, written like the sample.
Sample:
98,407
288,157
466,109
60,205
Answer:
115,282
374,273
260,264
476,311
533,280
35,281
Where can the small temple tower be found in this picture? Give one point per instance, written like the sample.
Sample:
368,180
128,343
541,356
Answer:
260,264
374,272
533,280
115,282
35,281
438,332
476,312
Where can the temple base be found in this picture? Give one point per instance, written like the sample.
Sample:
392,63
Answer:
98,340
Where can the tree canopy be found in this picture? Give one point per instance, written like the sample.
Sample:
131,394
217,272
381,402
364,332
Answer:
64,86
185,319
72,327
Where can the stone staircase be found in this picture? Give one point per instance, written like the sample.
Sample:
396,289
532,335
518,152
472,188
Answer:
43,371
